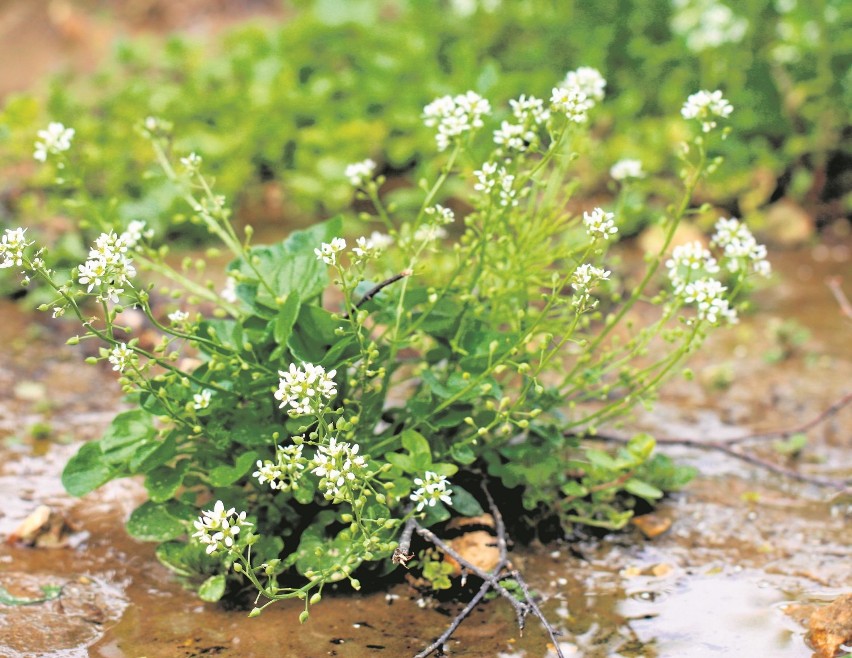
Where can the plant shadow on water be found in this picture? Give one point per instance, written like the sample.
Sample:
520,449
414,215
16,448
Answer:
743,543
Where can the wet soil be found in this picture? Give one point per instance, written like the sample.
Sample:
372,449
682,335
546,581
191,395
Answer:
743,544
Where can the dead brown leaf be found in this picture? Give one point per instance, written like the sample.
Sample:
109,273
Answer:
831,627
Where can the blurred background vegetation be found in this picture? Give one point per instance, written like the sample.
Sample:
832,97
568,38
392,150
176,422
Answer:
281,102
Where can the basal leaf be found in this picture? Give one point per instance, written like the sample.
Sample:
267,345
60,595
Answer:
87,470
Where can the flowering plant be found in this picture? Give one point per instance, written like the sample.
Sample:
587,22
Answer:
307,426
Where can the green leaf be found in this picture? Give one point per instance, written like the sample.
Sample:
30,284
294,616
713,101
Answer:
641,446
125,434
223,475
642,489
86,471
173,556
416,444
212,589
464,503
153,522
286,318
463,454
401,461
601,459
153,454
163,482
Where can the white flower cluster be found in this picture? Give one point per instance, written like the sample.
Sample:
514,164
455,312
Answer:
440,214
455,115
108,266
704,106
706,24
627,168
360,173
430,233
688,262
303,389
12,246
708,296
54,140
178,317
529,113
490,178
431,488
134,233
121,357
578,93
218,528
600,224
585,278
740,247
328,251
364,250
202,400
337,464
192,162
284,473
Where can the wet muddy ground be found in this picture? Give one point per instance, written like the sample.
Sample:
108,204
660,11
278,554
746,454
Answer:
745,547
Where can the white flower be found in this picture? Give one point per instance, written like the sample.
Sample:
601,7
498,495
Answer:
191,162
202,400
485,178
431,488
704,105
360,173
455,116
56,139
571,102
587,80
285,472
328,251
515,136
708,296
134,233
689,261
303,389
585,277
108,266
740,247
600,224
338,464
178,316
430,233
364,250
121,356
218,528
627,168
12,245
229,292
381,241
441,214
529,110
706,24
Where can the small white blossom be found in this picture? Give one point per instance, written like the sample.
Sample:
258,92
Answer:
627,168
530,110
430,489
585,278
706,24
108,266
12,245
202,400
740,247
574,104
134,233
120,357
178,316
304,389
218,528
360,173
430,233
381,241
485,178
440,214
689,261
587,80
708,296
229,292
55,139
455,116
704,106
191,162
364,250
284,473
328,251
600,224
338,464
515,136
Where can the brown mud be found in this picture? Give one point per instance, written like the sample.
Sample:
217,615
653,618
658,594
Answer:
743,544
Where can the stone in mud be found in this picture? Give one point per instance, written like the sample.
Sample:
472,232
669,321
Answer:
831,626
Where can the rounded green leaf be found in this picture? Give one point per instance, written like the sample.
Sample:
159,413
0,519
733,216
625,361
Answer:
212,589
152,522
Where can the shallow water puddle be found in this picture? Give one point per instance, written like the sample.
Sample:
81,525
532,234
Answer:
742,543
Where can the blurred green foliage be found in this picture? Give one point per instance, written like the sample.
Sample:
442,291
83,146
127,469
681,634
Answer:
279,110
